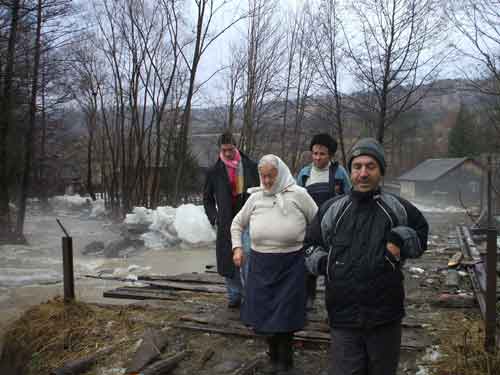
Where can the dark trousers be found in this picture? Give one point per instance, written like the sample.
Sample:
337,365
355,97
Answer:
372,351
311,288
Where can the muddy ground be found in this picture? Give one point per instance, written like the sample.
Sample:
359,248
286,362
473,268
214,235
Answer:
49,335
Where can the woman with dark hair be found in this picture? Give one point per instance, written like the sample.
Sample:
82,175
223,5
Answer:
277,213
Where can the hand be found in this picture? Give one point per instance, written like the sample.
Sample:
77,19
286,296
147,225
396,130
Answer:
238,256
394,250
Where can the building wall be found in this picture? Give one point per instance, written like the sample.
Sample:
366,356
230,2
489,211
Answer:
461,185
408,189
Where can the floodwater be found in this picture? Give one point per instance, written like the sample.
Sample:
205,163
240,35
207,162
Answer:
31,274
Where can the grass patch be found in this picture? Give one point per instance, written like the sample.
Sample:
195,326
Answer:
52,333
462,349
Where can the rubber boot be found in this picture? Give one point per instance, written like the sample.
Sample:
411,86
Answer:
285,354
271,366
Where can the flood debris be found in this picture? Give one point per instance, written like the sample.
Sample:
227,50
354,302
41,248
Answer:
80,366
151,346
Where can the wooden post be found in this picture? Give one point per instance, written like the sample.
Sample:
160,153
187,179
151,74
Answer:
68,274
491,272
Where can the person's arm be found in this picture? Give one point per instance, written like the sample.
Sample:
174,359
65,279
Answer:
411,239
344,177
209,203
316,253
239,224
309,207
300,177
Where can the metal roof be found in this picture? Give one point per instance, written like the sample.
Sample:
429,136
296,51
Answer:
431,169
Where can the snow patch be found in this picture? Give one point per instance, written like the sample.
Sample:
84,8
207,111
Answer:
437,209
416,270
78,203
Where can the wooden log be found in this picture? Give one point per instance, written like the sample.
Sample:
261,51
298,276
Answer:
153,343
166,365
82,365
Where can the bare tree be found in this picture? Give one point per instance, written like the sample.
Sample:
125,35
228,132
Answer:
28,148
478,21
262,90
236,74
304,76
6,118
395,57
329,45
141,51
203,38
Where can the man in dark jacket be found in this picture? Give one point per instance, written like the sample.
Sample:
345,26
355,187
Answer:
358,241
224,194
323,179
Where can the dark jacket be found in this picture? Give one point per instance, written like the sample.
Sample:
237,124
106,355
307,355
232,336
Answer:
364,281
339,183
217,201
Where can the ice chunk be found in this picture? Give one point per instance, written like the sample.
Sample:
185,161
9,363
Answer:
192,224
139,215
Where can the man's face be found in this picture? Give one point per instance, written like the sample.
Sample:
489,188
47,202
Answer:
268,175
320,156
365,173
228,151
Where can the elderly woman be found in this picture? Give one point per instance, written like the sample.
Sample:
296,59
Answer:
277,213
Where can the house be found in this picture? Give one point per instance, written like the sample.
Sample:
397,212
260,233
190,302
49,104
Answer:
450,181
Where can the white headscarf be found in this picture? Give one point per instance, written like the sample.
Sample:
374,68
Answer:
284,180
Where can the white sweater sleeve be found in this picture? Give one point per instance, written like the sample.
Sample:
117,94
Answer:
309,207
241,221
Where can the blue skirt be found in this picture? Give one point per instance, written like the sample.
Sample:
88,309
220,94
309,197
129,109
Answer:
275,292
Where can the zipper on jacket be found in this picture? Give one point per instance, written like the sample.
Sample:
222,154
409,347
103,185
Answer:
328,264
392,263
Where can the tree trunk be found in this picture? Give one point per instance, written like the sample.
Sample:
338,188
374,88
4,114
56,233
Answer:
43,153
6,121
31,126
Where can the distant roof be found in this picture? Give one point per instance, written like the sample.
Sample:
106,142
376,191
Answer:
431,169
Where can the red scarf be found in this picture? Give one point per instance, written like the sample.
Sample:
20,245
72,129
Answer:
234,169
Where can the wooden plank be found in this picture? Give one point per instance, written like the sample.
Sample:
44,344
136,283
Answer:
201,278
144,294
410,340
204,288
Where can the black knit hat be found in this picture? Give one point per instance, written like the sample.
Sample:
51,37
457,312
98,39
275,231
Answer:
326,140
370,147
227,138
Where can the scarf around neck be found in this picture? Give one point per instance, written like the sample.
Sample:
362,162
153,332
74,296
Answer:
235,173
